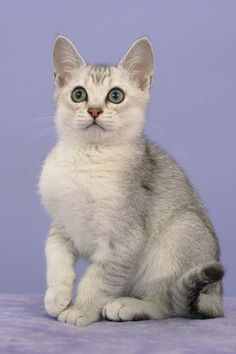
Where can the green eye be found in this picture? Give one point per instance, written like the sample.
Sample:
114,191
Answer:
116,95
79,94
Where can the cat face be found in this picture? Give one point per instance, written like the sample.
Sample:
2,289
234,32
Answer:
98,104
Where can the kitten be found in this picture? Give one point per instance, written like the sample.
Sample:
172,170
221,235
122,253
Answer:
121,202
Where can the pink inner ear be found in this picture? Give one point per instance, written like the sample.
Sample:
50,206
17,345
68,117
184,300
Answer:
137,71
143,82
59,79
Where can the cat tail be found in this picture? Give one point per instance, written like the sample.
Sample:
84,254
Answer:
198,293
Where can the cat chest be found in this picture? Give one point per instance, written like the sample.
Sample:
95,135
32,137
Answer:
89,192
85,199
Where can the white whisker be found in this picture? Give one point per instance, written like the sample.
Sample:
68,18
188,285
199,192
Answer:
161,131
43,132
43,119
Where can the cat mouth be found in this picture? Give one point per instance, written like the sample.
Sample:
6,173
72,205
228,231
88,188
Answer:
95,125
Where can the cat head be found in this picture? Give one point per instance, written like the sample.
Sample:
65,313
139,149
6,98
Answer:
98,104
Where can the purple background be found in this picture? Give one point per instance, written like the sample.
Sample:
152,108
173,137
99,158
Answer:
192,111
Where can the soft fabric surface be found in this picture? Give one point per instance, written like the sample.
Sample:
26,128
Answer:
25,328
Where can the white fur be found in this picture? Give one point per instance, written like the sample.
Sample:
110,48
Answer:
81,177
85,186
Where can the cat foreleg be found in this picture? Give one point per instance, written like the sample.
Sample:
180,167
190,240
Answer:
101,283
132,309
60,259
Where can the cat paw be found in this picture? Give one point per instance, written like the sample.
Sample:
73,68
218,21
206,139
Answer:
75,316
123,309
57,299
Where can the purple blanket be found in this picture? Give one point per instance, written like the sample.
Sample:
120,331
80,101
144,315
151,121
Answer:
25,328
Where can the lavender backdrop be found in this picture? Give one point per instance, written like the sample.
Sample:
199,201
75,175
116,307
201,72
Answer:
192,111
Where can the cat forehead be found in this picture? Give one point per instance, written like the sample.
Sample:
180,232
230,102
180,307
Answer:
98,75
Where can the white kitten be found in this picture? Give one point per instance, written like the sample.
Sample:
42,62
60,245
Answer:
122,203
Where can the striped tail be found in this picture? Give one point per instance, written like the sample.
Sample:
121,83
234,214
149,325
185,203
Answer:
193,297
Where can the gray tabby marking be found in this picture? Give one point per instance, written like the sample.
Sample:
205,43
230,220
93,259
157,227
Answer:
122,203
99,73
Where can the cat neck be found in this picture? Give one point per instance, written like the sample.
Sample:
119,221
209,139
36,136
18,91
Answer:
129,150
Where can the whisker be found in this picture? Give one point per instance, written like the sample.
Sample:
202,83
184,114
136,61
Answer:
46,130
157,127
43,132
42,119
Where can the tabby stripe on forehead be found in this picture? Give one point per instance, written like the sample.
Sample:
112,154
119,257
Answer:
99,73
103,78
92,77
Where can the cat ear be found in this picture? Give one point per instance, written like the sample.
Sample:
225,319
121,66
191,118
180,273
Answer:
139,62
65,59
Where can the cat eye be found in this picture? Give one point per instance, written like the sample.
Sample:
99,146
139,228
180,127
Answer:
116,95
79,94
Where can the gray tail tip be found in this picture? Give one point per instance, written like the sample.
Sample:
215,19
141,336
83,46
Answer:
214,272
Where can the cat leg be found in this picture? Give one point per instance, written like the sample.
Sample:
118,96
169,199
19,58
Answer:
104,280
182,273
94,291
60,258
131,309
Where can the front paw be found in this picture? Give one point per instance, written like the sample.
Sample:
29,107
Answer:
75,316
124,309
57,299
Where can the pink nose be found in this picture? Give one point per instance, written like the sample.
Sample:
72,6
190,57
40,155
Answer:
94,112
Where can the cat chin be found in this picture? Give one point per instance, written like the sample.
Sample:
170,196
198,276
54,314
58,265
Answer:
95,134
